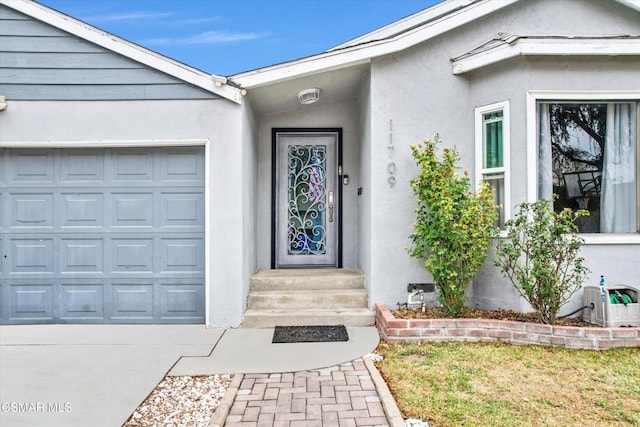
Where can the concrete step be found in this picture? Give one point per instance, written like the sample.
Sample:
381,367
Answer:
313,298
298,297
306,317
305,279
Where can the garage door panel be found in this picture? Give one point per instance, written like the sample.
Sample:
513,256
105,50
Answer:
180,301
82,255
2,214
132,255
182,209
182,255
29,210
181,165
82,301
132,301
132,165
82,210
109,235
82,166
31,255
31,301
132,209
35,166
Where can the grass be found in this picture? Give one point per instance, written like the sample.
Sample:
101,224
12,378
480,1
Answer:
497,384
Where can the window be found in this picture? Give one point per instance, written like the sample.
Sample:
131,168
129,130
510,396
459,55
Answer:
492,153
588,156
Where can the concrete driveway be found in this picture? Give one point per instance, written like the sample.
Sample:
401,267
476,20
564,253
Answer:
88,375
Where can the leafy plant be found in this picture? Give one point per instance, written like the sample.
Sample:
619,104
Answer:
540,256
454,225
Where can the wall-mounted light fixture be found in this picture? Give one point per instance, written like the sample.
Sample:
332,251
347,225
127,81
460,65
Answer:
3,103
309,96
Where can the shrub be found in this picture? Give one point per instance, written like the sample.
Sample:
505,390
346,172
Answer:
454,225
540,256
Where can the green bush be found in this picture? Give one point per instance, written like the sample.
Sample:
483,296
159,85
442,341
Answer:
454,225
540,256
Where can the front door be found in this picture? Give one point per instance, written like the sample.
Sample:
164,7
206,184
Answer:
306,198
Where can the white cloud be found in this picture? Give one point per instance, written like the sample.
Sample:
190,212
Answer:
208,37
129,16
194,21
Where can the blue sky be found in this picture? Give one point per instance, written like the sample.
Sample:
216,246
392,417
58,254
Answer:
225,37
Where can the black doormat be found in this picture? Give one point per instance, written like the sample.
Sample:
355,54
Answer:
293,334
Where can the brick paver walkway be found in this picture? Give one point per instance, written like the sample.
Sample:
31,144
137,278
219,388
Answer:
342,395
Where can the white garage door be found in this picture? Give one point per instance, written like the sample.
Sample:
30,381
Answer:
108,235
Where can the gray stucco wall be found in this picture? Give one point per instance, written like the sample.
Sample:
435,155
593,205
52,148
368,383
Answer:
149,123
364,177
40,62
417,90
249,196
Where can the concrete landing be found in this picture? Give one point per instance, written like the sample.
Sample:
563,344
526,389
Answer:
251,351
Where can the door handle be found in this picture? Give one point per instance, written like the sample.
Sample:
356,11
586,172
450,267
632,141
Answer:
330,205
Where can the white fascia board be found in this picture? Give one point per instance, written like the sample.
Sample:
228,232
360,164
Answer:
434,11
407,23
634,4
211,83
299,68
548,47
364,53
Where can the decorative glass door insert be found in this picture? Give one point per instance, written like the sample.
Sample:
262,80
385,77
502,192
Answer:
306,200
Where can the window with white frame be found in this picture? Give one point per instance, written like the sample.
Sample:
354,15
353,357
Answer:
588,156
492,153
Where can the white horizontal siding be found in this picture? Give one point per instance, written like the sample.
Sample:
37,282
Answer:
76,60
40,62
84,76
29,28
57,45
101,93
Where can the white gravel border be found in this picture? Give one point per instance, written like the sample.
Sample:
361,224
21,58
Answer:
182,401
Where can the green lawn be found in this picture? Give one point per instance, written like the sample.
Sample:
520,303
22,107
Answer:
483,384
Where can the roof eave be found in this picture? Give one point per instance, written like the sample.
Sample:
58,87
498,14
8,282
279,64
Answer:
548,47
407,23
362,53
633,4
212,83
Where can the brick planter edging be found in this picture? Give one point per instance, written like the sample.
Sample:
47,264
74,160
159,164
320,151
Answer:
395,330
